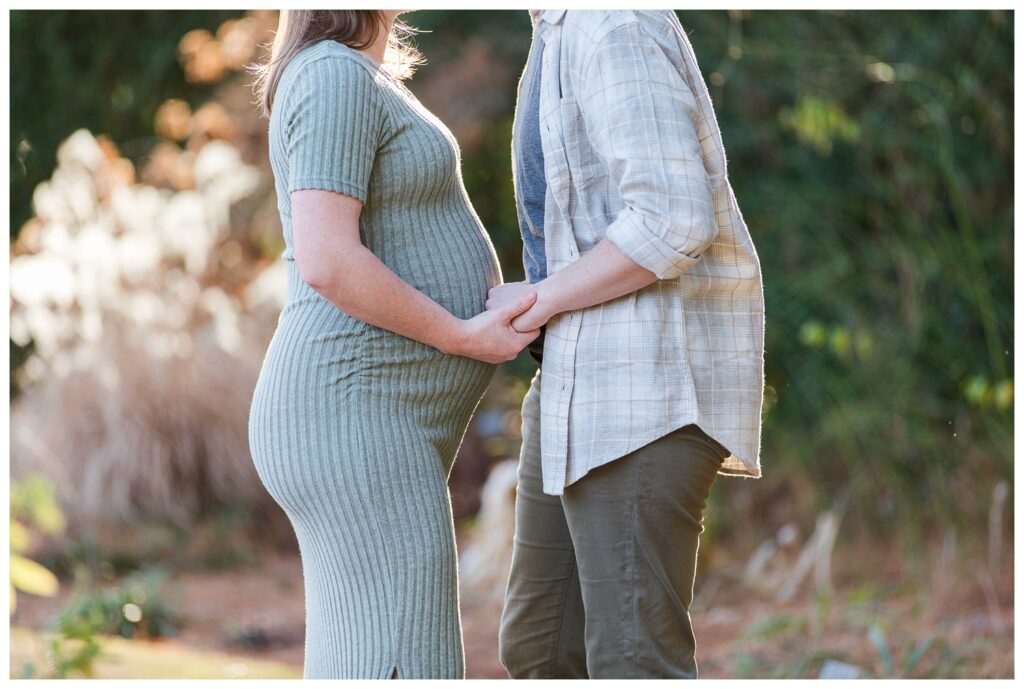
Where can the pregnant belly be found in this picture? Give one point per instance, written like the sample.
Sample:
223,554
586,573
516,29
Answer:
452,262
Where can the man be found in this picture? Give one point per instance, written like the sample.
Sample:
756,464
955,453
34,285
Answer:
651,375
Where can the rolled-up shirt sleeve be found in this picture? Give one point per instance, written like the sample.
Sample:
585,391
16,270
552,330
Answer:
639,116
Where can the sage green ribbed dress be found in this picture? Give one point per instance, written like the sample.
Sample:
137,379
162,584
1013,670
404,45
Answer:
353,429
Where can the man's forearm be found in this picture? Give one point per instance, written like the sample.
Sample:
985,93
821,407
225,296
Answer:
602,274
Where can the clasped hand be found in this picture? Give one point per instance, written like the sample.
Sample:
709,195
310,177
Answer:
490,337
511,321
529,320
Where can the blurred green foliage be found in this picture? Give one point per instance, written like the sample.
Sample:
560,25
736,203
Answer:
105,70
135,607
872,156
871,153
34,509
72,653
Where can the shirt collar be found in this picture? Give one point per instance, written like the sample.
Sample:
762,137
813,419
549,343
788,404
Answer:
549,16
544,22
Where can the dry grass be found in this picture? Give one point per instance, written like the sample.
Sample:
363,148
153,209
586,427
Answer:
166,441
135,399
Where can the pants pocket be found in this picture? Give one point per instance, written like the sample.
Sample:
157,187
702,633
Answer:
721,450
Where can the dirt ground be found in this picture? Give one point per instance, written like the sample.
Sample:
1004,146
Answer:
257,612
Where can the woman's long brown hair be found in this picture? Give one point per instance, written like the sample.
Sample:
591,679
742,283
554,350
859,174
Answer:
358,29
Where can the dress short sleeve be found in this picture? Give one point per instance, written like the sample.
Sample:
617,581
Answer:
334,123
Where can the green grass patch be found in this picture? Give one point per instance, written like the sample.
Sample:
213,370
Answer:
125,659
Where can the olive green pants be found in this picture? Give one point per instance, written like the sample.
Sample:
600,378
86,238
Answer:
602,576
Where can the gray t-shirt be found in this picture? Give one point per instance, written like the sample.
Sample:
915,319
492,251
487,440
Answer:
528,163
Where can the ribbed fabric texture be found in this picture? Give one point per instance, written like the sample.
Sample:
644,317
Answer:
353,429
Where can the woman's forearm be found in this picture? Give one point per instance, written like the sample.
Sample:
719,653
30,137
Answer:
361,285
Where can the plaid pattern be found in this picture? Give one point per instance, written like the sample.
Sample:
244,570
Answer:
633,152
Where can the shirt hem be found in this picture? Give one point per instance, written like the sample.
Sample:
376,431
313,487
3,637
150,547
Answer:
738,467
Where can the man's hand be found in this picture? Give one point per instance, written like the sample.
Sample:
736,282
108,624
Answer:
507,293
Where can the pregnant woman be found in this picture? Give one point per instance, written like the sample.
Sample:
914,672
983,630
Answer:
382,351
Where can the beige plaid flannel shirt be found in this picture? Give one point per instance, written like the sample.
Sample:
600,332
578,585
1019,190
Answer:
633,152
